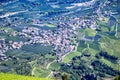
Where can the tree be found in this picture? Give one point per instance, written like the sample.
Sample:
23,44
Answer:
23,69
117,78
65,77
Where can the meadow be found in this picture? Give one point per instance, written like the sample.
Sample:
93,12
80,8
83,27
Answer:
4,76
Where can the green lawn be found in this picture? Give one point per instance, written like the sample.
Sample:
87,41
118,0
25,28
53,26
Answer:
4,76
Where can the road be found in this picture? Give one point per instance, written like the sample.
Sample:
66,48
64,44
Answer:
33,71
11,14
69,52
51,73
50,64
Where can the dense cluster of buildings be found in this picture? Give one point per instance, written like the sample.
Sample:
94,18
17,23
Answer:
3,48
62,39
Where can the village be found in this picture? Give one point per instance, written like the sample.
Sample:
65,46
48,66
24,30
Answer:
63,39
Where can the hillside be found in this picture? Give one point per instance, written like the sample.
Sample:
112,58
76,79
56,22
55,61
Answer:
74,39
4,76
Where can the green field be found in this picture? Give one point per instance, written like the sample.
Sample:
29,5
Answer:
112,46
113,65
50,25
41,72
55,66
90,32
4,76
101,23
8,29
69,57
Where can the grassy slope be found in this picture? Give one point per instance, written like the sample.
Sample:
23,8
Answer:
113,65
110,45
41,72
107,43
54,66
4,76
90,32
69,57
